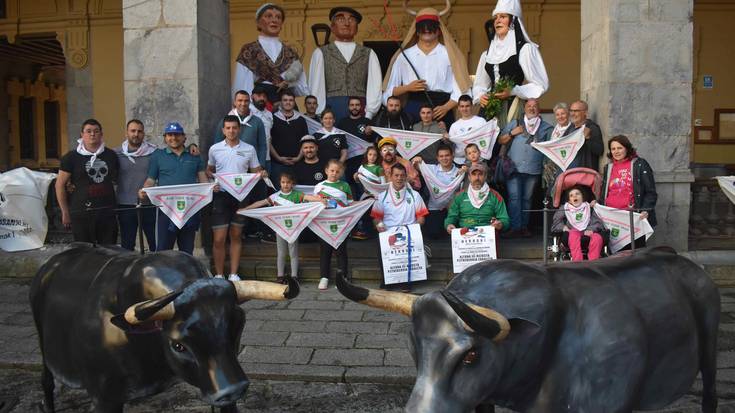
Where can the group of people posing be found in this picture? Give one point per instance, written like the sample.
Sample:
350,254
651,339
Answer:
427,83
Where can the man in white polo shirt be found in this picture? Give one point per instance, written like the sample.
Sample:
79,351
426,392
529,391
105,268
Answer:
398,205
229,156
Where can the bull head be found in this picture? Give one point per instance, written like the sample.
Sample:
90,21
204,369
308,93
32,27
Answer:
483,321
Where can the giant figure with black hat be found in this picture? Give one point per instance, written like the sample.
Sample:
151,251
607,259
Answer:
269,62
429,68
513,55
343,69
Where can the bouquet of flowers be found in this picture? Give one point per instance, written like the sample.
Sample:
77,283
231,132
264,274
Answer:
494,104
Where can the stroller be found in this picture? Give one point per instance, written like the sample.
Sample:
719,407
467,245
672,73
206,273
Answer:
591,181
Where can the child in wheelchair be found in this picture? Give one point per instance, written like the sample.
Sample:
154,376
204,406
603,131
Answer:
579,226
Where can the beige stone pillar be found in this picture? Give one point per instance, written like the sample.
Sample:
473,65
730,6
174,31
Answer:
636,75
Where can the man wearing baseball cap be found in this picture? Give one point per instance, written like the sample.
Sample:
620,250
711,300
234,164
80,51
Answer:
174,165
478,205
343,69
310,169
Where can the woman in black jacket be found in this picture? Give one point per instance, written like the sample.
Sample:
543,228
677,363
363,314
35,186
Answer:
628,180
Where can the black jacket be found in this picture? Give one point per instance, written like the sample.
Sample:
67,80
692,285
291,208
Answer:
644,187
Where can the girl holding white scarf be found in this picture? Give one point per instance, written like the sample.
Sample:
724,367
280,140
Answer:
578,220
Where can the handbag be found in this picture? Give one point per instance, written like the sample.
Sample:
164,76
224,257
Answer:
504,167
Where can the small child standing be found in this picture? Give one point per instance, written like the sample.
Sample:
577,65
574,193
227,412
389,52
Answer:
336,194
286,196
578,220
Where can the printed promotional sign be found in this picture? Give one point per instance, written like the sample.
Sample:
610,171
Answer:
355,145
484,137
334,225
237,185
441,194
410,143
286,221
23,220
727,183
563,150
371,186
400,246
180,202
472,245
617,221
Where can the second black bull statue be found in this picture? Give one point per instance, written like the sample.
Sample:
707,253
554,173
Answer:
124,326
611,336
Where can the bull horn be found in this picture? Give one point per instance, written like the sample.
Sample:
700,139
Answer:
409,11
262,290
385,300
446,9
483,321
158,309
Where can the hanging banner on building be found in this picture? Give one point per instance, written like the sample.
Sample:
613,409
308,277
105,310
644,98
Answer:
237,185
471,246
23,220
410,143
180,202
562,151
484,137
334,225
286,221
400,246
441,194
355,145
372,187
617,221
727,184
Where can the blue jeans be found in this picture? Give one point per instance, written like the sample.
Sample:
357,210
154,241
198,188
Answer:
169,233
128,219
520,191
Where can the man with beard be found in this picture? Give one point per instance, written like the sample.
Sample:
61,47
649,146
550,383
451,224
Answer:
430,69
477,206
259,109
133,156
267,61
312,104
359,125
429,125
398,205
309,170
393,117
589,154
343,68
288,129
252,130
387,148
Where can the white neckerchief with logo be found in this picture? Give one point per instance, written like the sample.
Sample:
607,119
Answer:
282,117
440,192
243,121
559,130
144,149
83,151
325,133
578,217
478,196
532,125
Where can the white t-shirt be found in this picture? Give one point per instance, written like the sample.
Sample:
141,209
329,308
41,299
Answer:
394,212
462,126
232,159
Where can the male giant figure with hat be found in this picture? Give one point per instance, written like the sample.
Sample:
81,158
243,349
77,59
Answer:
430,68
269,62
344,69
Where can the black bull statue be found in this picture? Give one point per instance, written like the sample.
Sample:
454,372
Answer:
124,326
613,335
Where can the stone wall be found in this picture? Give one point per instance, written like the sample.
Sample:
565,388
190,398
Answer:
636,74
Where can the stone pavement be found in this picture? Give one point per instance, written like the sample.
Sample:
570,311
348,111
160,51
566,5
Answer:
318,341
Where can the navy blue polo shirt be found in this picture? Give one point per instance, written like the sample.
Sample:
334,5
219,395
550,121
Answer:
170,169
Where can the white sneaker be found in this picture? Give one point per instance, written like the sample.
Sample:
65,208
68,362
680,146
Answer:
233,277
219,276
324,283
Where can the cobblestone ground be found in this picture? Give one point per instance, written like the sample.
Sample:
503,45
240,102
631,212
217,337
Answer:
318,352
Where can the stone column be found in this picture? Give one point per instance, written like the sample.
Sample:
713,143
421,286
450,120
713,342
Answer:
636,75
177,68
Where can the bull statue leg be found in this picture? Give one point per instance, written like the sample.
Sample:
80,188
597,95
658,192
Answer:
47,381
485,408
229,409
